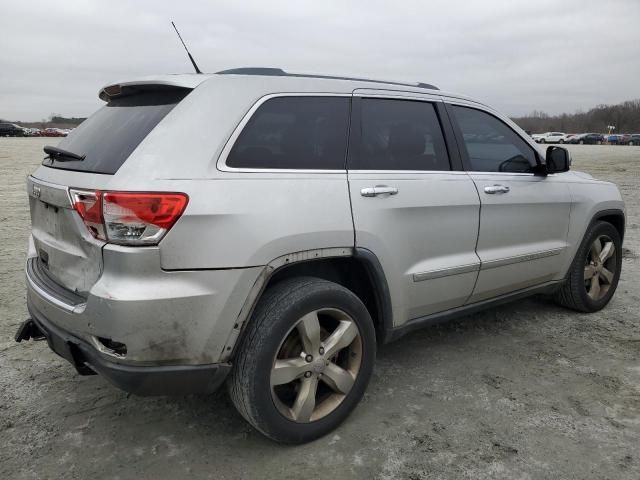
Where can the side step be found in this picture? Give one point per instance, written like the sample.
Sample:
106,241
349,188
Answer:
29,330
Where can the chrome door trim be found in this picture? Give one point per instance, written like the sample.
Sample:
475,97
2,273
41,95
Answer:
527,257
446,272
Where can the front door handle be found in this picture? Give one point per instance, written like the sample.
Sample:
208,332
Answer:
493,189
378,190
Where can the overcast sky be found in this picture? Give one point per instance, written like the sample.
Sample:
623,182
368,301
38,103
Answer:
518,55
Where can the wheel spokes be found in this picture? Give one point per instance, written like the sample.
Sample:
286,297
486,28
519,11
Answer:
341,337
596,248
305,402
309,330
589,271
607,251
307,355
287,370
606,275
594,291
339,379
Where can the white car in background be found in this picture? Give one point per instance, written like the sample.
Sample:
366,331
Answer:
549,137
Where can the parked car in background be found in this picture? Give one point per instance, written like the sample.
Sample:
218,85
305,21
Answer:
567,138
634,139
587,139
11,130
549,137
32,132
614,139
53,132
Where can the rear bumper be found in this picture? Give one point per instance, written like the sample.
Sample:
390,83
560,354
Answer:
163,318
139,380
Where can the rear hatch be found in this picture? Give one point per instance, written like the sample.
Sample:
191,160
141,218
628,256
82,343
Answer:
68,253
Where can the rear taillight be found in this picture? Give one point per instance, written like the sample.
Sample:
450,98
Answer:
89,205
129,218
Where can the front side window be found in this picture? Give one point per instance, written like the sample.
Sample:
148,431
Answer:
294,133
400,135
491,146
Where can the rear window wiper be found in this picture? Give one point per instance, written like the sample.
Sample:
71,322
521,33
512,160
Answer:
62,155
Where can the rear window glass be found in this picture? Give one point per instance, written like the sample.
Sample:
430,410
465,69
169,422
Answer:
108,137
294,133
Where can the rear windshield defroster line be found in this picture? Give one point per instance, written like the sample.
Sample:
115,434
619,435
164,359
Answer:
107,138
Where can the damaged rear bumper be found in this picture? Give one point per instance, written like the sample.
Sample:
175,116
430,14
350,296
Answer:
136,379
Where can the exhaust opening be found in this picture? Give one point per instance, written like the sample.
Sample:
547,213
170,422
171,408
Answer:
112,347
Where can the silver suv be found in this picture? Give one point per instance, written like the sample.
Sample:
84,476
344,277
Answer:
270,229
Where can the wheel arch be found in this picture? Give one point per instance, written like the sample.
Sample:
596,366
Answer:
615,217
356,269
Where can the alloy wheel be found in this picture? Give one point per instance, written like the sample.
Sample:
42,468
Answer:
316,365
600,268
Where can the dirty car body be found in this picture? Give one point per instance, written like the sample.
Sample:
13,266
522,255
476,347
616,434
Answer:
161,305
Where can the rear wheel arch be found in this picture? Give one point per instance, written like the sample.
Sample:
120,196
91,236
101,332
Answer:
358,270
360,273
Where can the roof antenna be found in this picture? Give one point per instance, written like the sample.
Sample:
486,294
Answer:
193,62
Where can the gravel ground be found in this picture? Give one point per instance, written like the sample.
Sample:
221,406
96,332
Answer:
526,390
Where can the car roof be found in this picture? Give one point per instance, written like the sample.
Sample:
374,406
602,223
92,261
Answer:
270,78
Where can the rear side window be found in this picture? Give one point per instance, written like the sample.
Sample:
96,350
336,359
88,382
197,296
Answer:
400,135
110,135
294,133
491,145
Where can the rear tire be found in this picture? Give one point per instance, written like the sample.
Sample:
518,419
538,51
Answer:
284,382
595,271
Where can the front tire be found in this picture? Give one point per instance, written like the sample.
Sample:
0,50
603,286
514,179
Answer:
595,270
305,360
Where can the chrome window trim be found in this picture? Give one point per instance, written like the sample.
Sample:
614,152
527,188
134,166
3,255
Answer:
221,164
396,95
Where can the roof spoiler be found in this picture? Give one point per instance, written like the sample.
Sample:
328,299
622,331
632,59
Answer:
158,84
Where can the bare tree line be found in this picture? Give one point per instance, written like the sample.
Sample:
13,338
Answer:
624,116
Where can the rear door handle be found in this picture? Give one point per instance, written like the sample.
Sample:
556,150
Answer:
378,190
493,189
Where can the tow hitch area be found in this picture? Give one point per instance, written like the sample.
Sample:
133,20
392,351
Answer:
29,330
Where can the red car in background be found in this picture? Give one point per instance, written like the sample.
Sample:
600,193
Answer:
53,132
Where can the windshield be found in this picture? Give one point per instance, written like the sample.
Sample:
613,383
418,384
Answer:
108,137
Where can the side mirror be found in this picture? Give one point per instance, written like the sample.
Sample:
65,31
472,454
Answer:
558,160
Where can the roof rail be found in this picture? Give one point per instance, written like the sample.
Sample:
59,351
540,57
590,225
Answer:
278,72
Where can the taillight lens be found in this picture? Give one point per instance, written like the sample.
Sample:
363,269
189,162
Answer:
129,218
89,205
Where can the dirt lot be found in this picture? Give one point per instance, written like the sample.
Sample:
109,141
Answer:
527,390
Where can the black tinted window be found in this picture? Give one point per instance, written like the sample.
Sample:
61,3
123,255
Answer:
294,133
108,137
400,135
491,146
